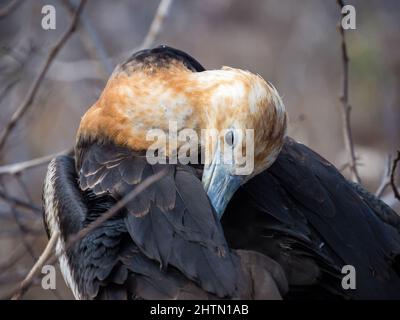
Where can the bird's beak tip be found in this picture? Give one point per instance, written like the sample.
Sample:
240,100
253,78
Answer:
220,187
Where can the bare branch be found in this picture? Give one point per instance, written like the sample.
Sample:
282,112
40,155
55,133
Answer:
21,229
36,84
156,25
19,202
37,266
91,41
346,108
52,258
87,69
18,167
343,167
385,181
23,187
9,8
393,175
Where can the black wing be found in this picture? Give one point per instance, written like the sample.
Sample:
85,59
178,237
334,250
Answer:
306,215
105,264
108,264
172,221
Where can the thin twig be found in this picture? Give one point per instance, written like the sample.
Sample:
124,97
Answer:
18,167
87,69
10,232
9,8
52,258
37,266
22,231
343,167
21,228
346,108
23,187
393,175
156,25
19,202
385,181
91,40
36,84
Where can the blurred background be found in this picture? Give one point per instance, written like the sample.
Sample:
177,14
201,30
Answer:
293,44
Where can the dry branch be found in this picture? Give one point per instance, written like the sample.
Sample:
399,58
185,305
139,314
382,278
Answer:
91,41
346,108
87,69
22,234
156,25
152,33
36,84
385,181
19,202
36,267
393,175
18,167
9,8
22,231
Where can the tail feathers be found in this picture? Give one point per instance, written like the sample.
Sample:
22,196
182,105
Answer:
265,276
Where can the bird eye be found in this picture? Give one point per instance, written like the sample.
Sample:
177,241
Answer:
229,138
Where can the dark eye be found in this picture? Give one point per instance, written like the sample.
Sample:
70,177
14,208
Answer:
229,138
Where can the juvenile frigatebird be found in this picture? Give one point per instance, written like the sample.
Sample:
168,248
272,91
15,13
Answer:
168,241
295,218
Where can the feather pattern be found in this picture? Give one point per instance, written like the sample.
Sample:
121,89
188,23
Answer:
163,254
304,214
172,222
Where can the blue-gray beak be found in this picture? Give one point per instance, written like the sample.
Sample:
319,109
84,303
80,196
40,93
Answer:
220,185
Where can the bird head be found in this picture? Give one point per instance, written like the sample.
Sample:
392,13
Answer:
239,117
250,121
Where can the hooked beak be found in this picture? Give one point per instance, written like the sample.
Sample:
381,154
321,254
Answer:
220,184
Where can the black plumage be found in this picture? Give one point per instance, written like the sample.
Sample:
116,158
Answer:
166,244
304,214
300,221
171,222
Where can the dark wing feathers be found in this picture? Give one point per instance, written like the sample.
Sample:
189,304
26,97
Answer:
330,221
172,222
177,253
381,209
301,212
94,258
107,264
347,222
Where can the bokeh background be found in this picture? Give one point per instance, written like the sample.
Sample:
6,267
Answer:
293,44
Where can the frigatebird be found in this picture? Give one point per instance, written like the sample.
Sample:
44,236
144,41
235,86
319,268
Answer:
287,228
